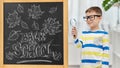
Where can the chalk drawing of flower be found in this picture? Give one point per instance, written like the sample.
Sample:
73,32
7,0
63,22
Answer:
51,26
35,12
13,19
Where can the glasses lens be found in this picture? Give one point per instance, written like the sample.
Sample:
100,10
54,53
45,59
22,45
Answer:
91,17
88,17
73,22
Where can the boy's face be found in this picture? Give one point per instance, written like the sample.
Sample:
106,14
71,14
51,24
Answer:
93,19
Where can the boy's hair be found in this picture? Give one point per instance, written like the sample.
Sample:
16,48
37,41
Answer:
95,8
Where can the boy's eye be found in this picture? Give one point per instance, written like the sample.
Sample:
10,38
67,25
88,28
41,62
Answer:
89,17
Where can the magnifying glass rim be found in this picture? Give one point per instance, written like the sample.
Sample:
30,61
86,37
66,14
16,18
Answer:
73,20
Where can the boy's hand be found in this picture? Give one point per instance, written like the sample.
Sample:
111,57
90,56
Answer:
74,32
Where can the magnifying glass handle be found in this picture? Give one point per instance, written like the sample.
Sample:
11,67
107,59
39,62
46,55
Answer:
73,23
74,36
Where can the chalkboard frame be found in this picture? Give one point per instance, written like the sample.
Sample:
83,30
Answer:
65,29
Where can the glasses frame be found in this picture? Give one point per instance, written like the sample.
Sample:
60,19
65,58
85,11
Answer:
91,17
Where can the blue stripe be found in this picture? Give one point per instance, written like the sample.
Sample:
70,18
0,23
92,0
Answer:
89,61
106,48
76,41
92,45
105,63
97,32
81,42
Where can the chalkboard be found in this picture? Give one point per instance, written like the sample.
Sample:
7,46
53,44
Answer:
33,33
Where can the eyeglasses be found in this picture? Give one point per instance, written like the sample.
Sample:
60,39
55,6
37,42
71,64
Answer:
91,17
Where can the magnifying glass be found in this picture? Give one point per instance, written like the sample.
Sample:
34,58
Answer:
73,23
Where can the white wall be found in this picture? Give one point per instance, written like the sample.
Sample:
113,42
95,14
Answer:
73,53
116,45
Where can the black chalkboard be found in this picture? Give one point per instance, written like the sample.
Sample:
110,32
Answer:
33,33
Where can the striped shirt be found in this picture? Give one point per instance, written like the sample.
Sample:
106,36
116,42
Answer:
95,49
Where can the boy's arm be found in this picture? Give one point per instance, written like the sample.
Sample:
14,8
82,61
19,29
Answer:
78,43
106,50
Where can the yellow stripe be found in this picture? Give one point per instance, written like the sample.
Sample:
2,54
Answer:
84,38
90,36
87,38
78,46
99,66
95,54
88,67
106,55
91,53
105,40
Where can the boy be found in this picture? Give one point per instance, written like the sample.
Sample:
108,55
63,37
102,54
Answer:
94,43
